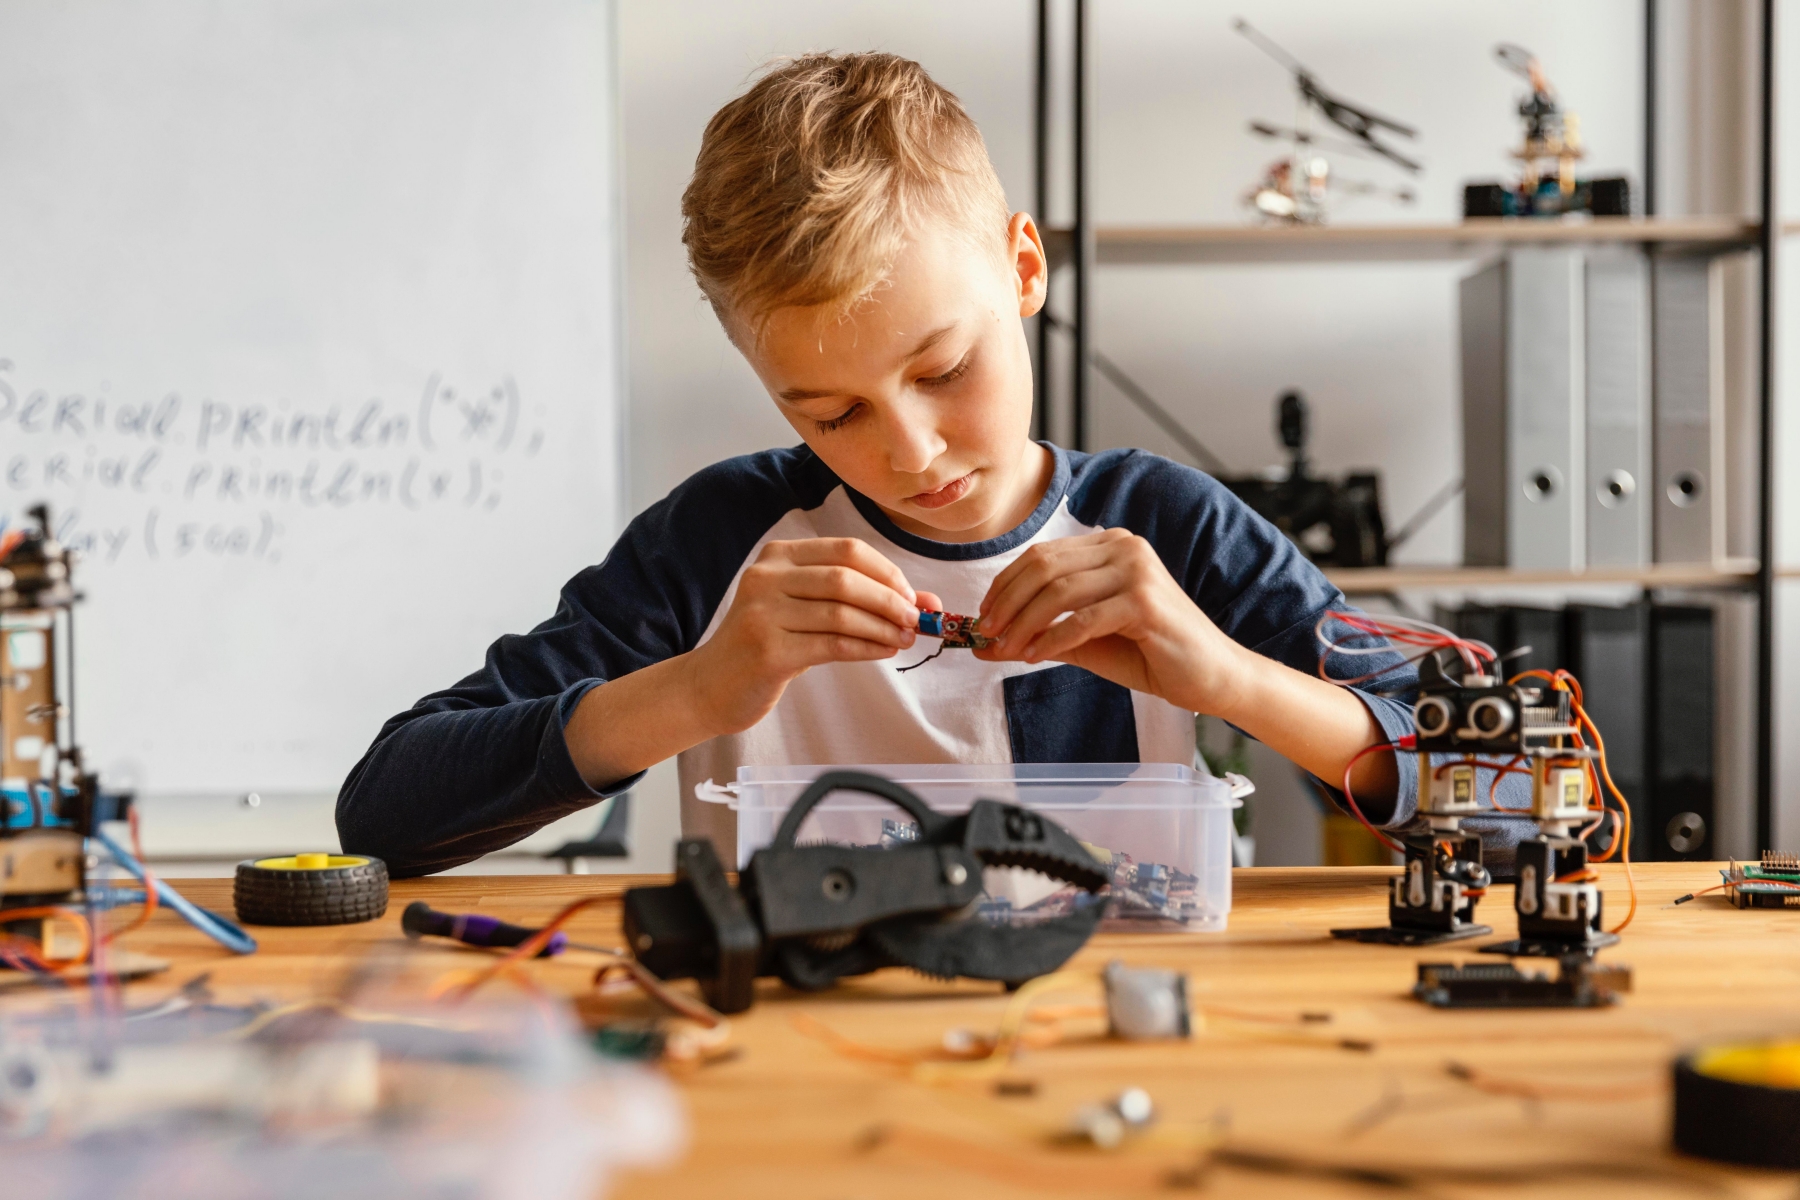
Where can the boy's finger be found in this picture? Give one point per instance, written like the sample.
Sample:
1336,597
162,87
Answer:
1065,593
1048,610
929,602
831,616
1013,589
847,585
1100,620
1055,546
816,649
856,554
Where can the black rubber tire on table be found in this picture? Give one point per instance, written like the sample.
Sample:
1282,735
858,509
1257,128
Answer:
1733,1122
321,896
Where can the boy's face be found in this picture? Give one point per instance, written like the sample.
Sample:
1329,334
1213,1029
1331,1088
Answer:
920,399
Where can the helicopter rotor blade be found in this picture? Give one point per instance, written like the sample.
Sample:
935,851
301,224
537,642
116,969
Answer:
1288,134
1256,38
1515,58
1358,122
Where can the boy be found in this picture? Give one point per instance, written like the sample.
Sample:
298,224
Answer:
847,227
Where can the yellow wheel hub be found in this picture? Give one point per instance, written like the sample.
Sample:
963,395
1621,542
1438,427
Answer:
311,862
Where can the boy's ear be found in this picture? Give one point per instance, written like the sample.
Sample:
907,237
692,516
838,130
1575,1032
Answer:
1025,251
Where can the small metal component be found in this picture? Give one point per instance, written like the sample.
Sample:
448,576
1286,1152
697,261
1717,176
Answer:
956,874
1107,1125
1135,1107
1144,1003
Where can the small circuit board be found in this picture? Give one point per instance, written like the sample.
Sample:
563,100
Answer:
1774,883
1579,983
959,632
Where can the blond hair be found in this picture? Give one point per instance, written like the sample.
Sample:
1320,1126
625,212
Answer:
808,185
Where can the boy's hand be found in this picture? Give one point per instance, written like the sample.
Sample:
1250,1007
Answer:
1128,620
798,605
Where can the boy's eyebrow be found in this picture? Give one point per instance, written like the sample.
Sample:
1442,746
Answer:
927,342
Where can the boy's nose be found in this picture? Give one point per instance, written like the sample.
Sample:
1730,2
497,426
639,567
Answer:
913,442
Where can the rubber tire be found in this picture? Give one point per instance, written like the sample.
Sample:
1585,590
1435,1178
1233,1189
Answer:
1732,1122
329,896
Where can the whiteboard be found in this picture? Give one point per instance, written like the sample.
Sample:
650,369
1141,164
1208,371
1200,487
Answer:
310,333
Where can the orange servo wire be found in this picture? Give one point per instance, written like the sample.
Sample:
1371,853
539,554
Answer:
1564,681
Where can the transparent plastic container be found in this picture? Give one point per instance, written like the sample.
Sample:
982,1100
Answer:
1164,828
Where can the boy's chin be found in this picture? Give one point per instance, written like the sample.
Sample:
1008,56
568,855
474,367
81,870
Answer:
953,519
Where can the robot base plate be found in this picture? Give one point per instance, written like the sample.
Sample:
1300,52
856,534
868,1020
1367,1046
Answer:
1393,935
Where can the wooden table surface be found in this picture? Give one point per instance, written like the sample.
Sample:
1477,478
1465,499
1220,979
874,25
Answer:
1295,1111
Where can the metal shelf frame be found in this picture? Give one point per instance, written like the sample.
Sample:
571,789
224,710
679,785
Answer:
1080,247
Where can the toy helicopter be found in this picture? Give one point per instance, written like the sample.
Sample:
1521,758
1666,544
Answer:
1297,189
1548,185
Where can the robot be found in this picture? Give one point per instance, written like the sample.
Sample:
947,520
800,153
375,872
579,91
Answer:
1556,900
1442,878
1547,186
50,803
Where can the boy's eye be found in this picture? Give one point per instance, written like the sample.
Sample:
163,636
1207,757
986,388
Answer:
839,421
950,376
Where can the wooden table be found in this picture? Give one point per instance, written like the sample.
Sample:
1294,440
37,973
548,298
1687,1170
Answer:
1296,1110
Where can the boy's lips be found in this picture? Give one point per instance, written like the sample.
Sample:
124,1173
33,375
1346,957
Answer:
950,493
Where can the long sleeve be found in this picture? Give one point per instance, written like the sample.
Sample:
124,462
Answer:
477,766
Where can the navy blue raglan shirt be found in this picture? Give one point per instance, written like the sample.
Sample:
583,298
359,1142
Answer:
478,766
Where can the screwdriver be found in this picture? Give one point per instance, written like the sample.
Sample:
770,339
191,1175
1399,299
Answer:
474,929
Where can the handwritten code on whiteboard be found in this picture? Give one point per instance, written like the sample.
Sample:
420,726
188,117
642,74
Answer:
310,338
224,479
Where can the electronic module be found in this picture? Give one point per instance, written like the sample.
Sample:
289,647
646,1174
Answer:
1775,883
959,632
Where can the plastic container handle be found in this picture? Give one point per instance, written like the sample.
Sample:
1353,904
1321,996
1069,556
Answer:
852,781
1240,786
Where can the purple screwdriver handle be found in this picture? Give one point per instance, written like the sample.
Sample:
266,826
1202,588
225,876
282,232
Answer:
474,929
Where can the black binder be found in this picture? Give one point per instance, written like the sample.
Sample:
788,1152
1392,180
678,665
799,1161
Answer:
1609,651
1681,752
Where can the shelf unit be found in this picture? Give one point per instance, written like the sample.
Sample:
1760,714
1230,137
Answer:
1081,247
1475,238
1373,581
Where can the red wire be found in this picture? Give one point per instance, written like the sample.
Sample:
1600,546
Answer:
1350,797
1430,641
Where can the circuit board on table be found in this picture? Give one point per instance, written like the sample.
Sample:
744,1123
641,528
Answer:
1773,883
